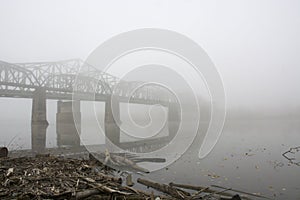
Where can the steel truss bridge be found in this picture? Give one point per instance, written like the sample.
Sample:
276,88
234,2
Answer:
62,79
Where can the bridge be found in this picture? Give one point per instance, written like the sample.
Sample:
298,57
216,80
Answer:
60,80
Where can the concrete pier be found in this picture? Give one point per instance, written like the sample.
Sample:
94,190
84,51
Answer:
68,123
39,121
112,129
39,107
174,118
38,137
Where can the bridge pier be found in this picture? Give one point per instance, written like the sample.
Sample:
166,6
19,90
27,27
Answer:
112,129
174,119
39,107
38,137
68,123
39,121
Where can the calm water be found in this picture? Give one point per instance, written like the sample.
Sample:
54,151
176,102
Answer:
247,157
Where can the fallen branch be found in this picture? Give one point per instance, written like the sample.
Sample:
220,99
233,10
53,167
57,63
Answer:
292,150
241,192
199,188
110,178
174,192
195,195
104,188
87,193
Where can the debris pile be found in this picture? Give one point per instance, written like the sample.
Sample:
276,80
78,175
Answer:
51,177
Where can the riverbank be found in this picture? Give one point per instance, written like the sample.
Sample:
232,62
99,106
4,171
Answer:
52,177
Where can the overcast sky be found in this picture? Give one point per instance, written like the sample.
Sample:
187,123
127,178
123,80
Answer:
254,44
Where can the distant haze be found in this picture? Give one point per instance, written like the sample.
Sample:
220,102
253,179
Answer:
254,44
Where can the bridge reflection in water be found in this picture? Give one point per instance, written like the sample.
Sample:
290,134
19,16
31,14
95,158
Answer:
60,80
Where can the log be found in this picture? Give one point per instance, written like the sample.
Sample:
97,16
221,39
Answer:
207,190
199,188
110,178
98,195
155,160
242,192
110,190
87,193
174,192
129,181
148,194
235,197
104,188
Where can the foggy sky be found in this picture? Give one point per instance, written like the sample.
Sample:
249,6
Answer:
254,44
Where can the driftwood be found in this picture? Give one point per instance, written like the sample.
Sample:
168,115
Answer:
87,193
241,192
104,157
49,177
199,188
104,188
109,178
174,192
151,194
121,161
235,197
224,194
155,160
292,160
129,181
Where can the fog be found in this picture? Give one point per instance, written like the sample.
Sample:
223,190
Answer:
254,44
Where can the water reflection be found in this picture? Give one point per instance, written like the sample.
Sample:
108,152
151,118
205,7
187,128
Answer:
67,135
68,123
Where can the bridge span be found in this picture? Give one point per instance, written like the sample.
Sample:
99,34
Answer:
62,80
